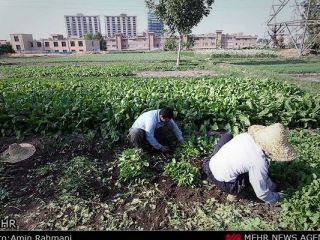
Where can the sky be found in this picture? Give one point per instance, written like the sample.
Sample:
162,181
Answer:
45,17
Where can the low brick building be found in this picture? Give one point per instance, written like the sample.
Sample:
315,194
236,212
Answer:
25,43
149,41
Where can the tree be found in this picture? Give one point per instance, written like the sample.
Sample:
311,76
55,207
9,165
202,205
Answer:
6,48
281,41
180,16
97,36
88,36
170,44
189,43
274,34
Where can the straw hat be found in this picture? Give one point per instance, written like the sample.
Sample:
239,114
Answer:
17,152
274,140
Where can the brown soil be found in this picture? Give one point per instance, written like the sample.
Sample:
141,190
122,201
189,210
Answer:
26,198
186,73
289,53
312,77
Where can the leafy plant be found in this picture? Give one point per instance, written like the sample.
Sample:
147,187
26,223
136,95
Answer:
183,172
302,211
133,165
250,224
195,147
81,177
110,106
298,173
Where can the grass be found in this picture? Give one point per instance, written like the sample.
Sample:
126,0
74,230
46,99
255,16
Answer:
277,69
107,58
276,65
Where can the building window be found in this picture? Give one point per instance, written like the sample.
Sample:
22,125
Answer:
63,44
18,47
31,44
72,44
46,44
16,38
55,44
65,51
80,43
56,51
39,44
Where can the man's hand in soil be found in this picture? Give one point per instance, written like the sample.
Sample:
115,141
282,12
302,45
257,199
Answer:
281,195
164,149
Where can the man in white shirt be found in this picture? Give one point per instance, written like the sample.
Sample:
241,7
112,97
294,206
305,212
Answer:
241,161
152,127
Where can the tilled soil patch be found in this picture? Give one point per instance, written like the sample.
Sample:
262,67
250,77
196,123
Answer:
312,77
27,199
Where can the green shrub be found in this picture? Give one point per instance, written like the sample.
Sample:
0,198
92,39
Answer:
170,45
6,48
133,165
183,172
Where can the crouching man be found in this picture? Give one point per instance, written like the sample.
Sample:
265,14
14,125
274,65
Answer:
153,127
240,161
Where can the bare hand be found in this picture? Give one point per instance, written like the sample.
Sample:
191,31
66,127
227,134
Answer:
281,195
164,149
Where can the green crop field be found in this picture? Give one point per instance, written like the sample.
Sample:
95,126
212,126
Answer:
110,57
85,176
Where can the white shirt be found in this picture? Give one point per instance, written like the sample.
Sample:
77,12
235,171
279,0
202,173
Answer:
240,155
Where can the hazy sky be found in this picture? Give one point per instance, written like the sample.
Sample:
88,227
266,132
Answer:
45,17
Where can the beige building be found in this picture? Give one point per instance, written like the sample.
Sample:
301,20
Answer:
56,44
3,42
149,41
142,42
126,25
226,41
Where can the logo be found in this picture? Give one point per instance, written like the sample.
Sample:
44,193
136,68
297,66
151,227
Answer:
233,236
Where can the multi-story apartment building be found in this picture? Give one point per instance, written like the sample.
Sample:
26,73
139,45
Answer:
126,25
25,43
154,25
80,25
